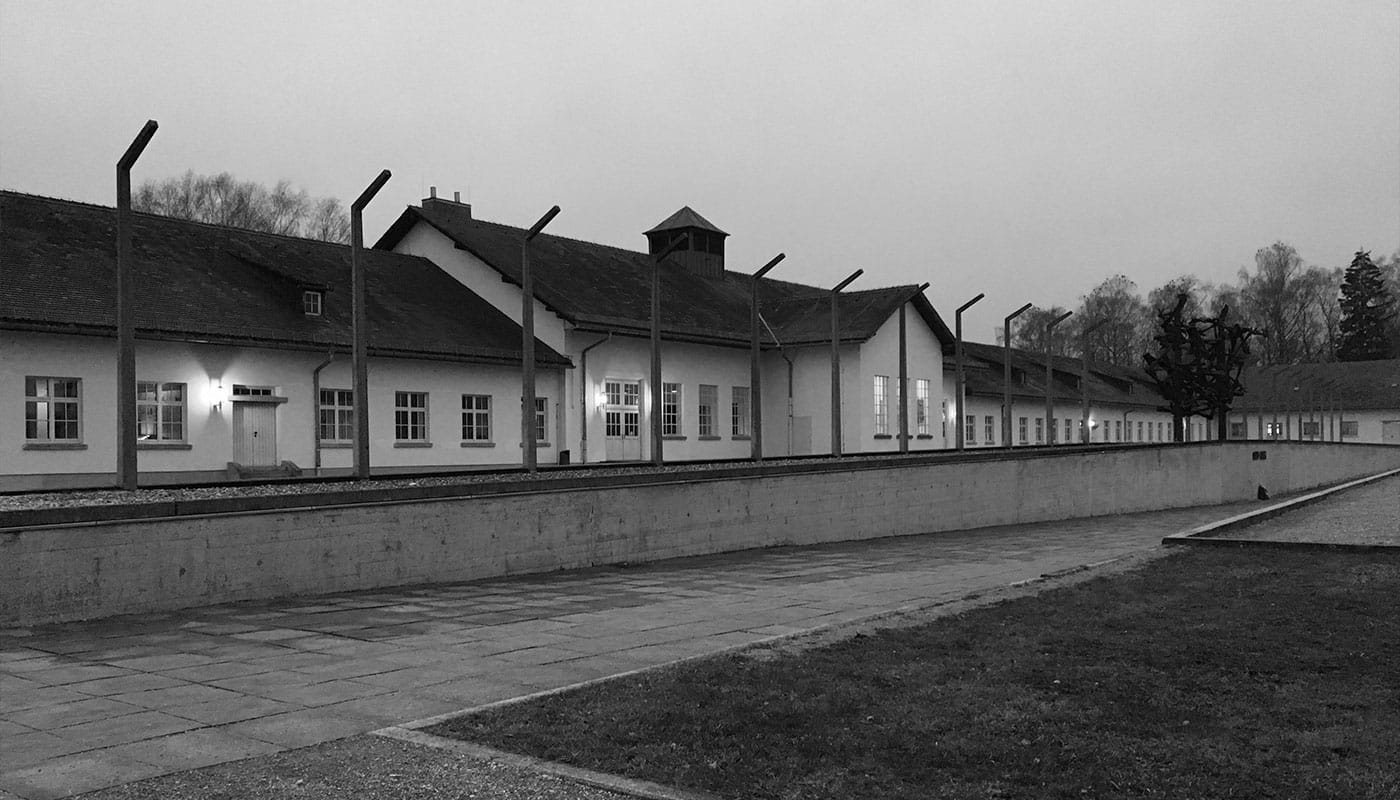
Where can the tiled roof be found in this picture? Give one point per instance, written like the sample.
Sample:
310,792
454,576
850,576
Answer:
1348,385
985,364
58,272
597,286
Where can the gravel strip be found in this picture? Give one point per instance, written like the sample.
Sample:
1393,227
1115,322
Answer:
1365,515
354,768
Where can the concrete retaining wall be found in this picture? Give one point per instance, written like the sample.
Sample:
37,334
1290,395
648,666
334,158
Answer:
91,569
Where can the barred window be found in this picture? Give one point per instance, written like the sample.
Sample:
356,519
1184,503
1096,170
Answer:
411,416
337,415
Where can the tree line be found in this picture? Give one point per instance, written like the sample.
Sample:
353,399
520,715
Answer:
1307,313
224,200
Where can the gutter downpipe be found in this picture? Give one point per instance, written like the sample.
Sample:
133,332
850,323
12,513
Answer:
316,409
583,397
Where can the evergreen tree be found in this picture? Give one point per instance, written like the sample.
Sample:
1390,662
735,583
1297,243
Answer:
1367,307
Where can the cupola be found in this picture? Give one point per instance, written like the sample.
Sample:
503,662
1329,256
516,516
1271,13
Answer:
703,254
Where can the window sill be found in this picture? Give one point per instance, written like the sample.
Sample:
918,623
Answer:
673,437
925,436
883,436
54,446
164,446
478,444
739,438
413,444
708,438
538,445
336,445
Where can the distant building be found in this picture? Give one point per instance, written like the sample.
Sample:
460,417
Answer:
1344,401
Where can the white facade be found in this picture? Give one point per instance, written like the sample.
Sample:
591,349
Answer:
210,425
1370,426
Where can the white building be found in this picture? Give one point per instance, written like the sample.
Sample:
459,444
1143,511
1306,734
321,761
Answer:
1344,401
592,303
242,355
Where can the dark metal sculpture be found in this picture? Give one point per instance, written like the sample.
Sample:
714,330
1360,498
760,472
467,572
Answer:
1197,365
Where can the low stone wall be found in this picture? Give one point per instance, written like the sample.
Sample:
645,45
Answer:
75,566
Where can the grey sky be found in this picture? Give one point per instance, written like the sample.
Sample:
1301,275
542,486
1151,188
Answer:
1026,150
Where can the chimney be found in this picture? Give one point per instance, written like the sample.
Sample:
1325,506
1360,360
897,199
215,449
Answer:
453,206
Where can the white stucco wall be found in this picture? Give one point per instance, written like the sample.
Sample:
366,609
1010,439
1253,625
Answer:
1370,424
880,356
208,445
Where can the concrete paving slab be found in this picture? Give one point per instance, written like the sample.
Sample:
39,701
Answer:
301,728
125,728
191,749
74,713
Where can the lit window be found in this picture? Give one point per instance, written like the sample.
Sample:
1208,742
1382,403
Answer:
160,411
311,303
337,415
739,411
882,405
52,409
921,406
411,416
476,417
709,399
670,409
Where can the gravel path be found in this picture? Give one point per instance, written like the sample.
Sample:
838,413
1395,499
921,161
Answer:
359,767
1368,514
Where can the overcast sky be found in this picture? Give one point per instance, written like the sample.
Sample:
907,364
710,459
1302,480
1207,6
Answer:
1026,150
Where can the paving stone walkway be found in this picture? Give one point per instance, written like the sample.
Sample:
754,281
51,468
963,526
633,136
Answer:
89,705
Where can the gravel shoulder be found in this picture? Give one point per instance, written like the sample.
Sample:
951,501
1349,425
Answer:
1366,515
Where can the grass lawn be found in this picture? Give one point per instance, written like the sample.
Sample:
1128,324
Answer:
1223,673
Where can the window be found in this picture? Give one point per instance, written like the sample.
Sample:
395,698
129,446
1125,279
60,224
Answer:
476,418
1310,428
411,416
709,399
1139,431
1039,431
622,416
739,411
337,415
541,419
970,432
1022,431
1273,430
989,429
670,409
1239,430
921,406
1069,431
52,409
160,411
239,390
1161,431
882,405
1118,430
311,303
1350,427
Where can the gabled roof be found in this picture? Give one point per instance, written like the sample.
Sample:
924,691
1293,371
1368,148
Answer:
596,286
234,286
984,370
1348,385
686,218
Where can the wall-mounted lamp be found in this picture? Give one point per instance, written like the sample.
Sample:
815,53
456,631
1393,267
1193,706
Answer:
216,391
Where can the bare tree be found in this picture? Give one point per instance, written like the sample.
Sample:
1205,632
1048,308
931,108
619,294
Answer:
224,200
1124,329
1028,332
1291,303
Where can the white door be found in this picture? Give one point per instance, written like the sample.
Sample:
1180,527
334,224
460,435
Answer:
622,429
255,434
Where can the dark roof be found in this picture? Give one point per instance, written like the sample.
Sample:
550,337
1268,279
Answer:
1348,385
199,281
984,370
595,286
685,218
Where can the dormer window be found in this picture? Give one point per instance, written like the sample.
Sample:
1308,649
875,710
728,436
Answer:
311,303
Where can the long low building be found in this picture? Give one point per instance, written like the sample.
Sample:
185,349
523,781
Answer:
1347,401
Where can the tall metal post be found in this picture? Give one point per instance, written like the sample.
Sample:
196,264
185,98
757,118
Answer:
1050,375
529,442
836,363
960,380
1084,435
126,322
755,374
655,404
360,325
1006,374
